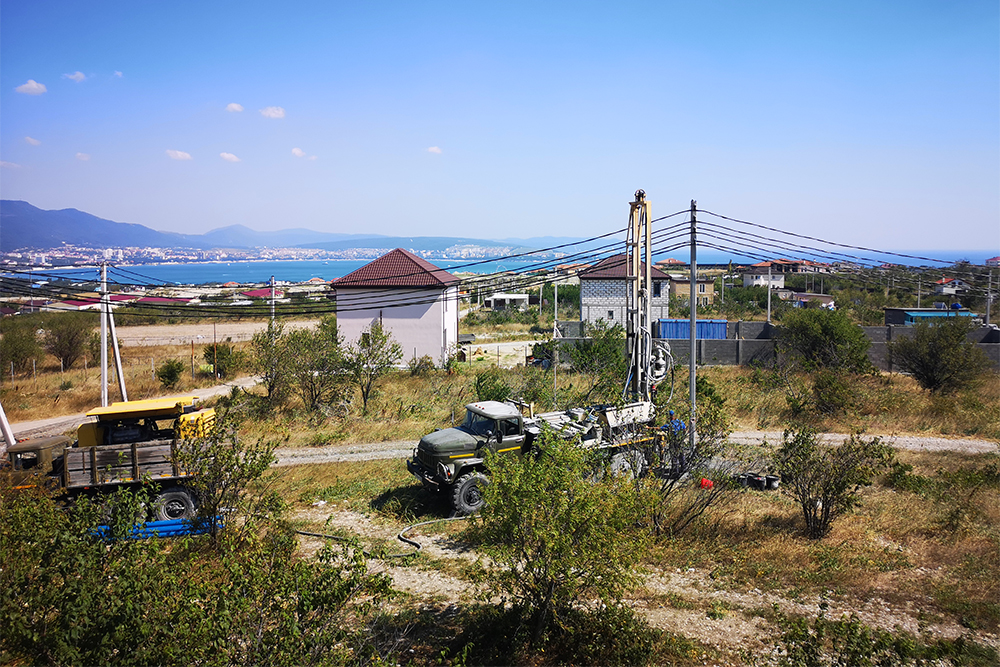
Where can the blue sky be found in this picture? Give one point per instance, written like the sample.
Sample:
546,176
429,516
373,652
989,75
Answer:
875,124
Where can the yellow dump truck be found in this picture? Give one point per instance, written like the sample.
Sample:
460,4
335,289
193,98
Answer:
129,444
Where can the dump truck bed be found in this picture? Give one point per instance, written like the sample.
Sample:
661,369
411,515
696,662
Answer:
116,464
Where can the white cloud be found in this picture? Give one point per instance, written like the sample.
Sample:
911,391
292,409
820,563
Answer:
311,157
233,106
229,157
77,76
118,74
9,165
435,150
178,155
33,142
32,87
83,156
298,152
272,112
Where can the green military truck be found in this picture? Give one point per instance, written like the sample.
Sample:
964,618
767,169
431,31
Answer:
452,460
130,443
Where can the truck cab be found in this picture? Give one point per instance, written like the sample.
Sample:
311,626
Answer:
37,458
454,457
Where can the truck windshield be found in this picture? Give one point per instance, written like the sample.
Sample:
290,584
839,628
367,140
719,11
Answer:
477,424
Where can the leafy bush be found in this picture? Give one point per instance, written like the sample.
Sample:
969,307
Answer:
848,641
600,359
422,366
824,339
19,343
66,336
169,373
831,392
225,359
825,481
940,357
555,538
492,385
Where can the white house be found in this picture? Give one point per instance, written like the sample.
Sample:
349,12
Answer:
951,286
603,292
758,276
413,299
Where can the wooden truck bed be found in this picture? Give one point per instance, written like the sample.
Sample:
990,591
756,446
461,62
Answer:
115,464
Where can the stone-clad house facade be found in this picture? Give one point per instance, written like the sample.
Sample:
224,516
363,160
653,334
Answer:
603,292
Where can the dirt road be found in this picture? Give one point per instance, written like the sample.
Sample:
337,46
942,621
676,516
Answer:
184,334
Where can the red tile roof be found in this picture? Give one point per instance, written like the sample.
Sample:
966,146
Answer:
397,268
263,293
615,267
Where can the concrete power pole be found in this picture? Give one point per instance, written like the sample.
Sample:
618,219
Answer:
693,312
105,308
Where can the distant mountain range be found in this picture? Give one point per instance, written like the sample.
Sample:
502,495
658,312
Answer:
23,226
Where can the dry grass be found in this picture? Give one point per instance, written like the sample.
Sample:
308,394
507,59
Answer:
899,545
51,393
889,404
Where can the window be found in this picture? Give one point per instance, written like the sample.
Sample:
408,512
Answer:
510,427
611,314
657,288
701,288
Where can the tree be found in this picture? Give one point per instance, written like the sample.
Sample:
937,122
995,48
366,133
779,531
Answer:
169,373
939,356
224,358
825,481
317,365
270,361
18,343
66,336
554,537
825,339
374,355
601,360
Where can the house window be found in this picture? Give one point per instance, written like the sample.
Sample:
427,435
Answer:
701,288
657,288
611,314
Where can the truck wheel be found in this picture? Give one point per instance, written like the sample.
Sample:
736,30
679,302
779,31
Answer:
628,464
173,504
467,496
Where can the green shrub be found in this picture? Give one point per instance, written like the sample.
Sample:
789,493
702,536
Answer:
492,385
940,357
169,373
422,366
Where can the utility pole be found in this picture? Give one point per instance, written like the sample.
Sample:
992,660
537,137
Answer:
105,302
989,298
638,255
272,299
768,292
918,289
693,311
555,343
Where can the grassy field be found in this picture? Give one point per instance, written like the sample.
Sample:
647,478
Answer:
922,550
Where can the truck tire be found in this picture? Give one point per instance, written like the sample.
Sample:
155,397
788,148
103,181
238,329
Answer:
467,495
628,464
173,504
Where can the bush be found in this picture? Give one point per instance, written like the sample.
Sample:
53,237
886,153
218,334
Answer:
420,367
169,373
554,538
825,481
492,385
19,343
225,359
66,336
831,392
824,339
940,357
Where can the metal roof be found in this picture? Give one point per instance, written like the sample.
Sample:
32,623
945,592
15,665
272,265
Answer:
397,268
616,267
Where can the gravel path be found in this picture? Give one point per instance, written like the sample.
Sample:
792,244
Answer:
400,449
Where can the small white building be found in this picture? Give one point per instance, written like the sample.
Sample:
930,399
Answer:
413,299
951,286
504,301
758,276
